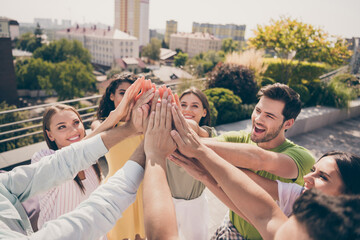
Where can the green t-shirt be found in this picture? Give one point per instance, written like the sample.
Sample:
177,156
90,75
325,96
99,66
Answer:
302,157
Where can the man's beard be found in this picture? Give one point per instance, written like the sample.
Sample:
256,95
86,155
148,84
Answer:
269,136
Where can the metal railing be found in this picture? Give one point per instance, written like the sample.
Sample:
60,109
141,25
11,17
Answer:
35,122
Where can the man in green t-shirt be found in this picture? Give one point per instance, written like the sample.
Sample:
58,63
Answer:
267,151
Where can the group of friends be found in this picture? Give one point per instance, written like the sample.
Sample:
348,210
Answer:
161,154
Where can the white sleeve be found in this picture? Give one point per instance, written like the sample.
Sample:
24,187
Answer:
96,216
64,164
288,193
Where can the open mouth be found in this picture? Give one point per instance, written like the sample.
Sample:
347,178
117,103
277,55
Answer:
258,130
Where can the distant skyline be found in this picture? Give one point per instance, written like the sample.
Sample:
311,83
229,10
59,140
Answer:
337,17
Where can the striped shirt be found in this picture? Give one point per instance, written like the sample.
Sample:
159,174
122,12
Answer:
66,197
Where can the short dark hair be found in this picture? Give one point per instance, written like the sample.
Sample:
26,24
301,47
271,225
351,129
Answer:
349,170
328,217
284,93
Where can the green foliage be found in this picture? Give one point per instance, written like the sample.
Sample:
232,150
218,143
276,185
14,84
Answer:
265,81
28,42
30,74
180,59
14,117
226,103
213,114
204,62
301,70
237,78
350,81
292,39
72,79
59,51
228,45
303,91
336,95
152,50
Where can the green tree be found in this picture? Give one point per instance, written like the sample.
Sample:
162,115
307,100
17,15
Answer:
28,42
228,45
180,59
292,40
204,62
63,49
152,50
32,74
71,79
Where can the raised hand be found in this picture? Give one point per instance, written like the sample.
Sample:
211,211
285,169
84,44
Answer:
191,165
140,111
158,142
187,141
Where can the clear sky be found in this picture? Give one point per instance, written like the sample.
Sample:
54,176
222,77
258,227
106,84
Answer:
337,17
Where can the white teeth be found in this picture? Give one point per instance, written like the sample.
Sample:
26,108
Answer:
74,138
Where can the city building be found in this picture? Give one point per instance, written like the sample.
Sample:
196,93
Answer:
104,45
9,28
171,27
132,17
236,32
8,91
194,43
167,56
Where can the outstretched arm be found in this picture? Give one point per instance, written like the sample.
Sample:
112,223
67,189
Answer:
253,201
253,157
159,212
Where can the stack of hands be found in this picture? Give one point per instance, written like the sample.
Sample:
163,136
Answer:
156,114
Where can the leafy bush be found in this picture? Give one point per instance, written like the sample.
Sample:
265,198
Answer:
213,113
237,78
226,103
305,70
336,95
350,81
265,81
303,91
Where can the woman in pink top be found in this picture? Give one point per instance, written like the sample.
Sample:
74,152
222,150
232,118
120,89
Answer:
62,125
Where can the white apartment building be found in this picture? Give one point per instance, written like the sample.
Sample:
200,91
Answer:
132,17
104,45
9,28
194,43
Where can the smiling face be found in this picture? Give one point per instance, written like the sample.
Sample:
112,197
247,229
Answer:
268,125
119,93
65,128
325,177
192,107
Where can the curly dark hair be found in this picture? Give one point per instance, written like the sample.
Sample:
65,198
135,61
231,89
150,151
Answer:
106,104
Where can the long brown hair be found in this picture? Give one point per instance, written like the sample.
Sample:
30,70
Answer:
204,120
48,114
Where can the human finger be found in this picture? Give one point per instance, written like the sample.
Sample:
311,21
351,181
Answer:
177,138
163,110
157,115
155,100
